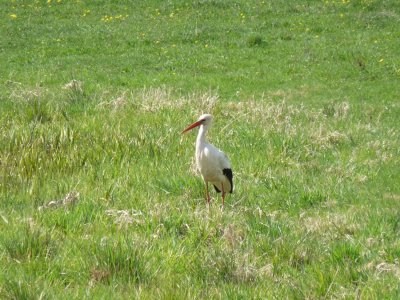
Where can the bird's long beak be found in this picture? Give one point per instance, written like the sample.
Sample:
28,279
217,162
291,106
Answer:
195,124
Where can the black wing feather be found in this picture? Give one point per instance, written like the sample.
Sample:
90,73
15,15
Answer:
228,173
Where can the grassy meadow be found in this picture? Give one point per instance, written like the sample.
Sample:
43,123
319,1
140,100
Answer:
99,196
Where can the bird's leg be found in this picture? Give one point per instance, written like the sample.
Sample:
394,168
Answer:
207,193
223,194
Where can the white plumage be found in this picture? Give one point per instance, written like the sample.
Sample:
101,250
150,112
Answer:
212,163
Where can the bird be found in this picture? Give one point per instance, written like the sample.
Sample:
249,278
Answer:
213,164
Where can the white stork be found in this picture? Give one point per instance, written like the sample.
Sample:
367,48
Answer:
212,163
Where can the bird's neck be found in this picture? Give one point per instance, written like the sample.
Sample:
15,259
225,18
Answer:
201,136
201,143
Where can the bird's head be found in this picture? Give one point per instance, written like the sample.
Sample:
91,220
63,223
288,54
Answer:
205,120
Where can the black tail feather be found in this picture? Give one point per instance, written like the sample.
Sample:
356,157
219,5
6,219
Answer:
217,189
228,173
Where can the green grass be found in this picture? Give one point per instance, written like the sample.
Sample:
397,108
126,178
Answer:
94,95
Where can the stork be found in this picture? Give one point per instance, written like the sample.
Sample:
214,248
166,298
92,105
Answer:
212,163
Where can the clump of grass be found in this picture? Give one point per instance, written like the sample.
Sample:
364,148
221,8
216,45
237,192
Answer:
38,112
74,91
16,288
120,258
34,102
255,40
346,252
336,109
311,199
30,243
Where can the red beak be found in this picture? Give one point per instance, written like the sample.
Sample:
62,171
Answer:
195,124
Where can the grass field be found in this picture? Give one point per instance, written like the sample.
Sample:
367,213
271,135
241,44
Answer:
99,197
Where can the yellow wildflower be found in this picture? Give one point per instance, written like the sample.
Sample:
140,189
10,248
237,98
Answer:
13,16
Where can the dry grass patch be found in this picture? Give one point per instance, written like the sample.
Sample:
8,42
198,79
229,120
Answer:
124,218
274,113
385,267
325,140
74,85
117,103
68,200
18,92
332,224
394,197
153,100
